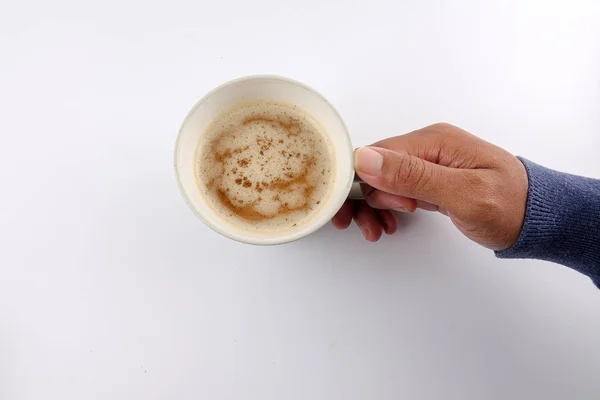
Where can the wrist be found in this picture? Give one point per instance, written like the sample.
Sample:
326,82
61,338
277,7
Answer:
562,220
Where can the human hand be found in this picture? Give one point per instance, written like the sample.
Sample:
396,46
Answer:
481,187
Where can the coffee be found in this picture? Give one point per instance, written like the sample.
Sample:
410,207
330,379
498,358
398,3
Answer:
265,165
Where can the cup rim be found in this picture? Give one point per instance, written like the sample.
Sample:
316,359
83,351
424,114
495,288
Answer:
310,228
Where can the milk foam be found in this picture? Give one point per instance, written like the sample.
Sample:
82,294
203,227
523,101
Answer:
265,165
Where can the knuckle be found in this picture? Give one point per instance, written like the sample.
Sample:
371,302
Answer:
448,131
426,179
442,126
372,199
409,172
375,200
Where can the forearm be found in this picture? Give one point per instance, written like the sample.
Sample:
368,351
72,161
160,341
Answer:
562,221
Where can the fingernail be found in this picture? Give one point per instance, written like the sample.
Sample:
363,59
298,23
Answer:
368,161
401,209
366,233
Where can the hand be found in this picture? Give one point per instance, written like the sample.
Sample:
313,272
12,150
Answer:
481,187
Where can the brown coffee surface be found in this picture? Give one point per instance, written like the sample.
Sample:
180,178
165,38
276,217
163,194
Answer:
265,164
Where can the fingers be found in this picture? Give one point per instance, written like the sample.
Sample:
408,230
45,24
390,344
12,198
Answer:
404,175
367,221
388,221
387,201
383,200
343,218
430,207
441,143
371,222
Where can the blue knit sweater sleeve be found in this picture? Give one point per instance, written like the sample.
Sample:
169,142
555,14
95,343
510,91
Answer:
562,221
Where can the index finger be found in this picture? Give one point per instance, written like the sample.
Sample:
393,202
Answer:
439,143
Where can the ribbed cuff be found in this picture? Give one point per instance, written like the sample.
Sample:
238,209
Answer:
562,221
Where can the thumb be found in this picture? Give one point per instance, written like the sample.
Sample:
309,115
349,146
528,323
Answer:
404,175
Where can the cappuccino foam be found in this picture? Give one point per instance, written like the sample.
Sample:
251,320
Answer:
265,165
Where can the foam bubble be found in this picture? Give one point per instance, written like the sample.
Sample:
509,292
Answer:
265,164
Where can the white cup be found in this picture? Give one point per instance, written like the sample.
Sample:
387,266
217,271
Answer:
262,87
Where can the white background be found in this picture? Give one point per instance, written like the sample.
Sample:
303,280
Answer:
110,288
